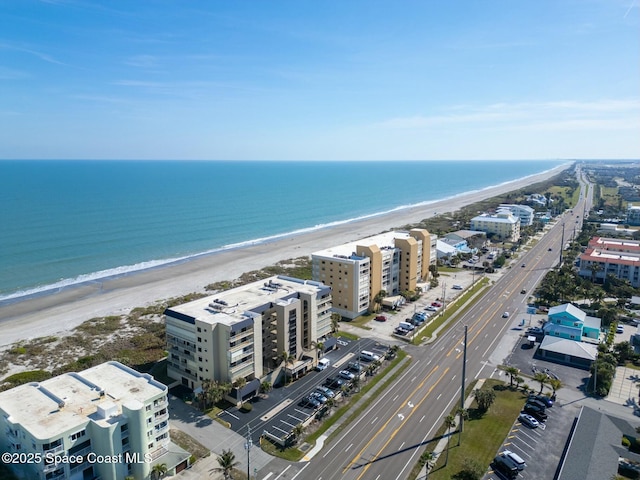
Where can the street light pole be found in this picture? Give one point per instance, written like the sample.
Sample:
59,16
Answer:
248,444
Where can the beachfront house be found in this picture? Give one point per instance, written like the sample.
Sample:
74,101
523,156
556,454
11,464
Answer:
248,334
107,411
393,262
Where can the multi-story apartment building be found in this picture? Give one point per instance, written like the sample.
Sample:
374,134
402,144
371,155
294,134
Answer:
633,214
525,213
357,271
243,332
106,422
503,225
611,256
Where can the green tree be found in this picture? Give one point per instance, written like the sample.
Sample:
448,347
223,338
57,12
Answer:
226,463
484,398
542,378
158,471
513,373
555,384
449,423
335,322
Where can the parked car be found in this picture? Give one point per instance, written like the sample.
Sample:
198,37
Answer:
536,411
457,287
346,374
619,329
325,391
333,383
431,309
355,367
309,402
400,331
544,399
380,318
318,396
528,420
535,401
535,330
436,304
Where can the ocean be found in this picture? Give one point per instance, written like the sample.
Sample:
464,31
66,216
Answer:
66,222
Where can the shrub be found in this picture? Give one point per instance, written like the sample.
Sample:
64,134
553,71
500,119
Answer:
246,407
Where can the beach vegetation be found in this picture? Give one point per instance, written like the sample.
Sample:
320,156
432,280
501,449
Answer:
190,444
25,377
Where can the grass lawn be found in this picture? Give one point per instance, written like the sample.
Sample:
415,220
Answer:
483,435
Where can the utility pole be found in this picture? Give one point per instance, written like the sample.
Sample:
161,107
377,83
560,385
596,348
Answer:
561,245
248,444
464,375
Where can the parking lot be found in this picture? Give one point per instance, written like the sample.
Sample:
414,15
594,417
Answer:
541,447
277,413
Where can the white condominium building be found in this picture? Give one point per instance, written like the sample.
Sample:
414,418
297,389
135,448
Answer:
357,271
611,256
106,422
525,213
503,225
243,332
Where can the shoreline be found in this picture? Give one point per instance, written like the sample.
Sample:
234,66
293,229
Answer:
50,313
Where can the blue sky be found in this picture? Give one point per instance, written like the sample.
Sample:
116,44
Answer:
325,80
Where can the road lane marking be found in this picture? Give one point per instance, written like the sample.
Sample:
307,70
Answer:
391,417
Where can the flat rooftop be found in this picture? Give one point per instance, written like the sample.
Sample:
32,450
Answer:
57,405
229,307
382,241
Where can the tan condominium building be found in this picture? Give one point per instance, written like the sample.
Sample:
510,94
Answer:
243,332
106,422
395,262
503,225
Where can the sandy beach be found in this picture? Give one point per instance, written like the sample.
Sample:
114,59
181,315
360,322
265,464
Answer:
59,312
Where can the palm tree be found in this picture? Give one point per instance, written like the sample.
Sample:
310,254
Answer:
428,458
542,378
319,347
449,423
266,387
298,431
512,372
227,462
287,359
335,321
240,384
555,385
159,470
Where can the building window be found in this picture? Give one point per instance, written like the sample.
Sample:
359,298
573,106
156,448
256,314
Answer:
77,435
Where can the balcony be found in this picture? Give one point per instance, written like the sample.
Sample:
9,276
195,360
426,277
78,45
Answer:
53,450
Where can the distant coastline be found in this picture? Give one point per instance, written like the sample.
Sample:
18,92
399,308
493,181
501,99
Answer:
50,314
99,276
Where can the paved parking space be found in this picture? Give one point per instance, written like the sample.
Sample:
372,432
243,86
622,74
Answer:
540,447
279,412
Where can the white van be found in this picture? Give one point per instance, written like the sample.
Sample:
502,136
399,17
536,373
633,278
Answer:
516,459
368,356
322,364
